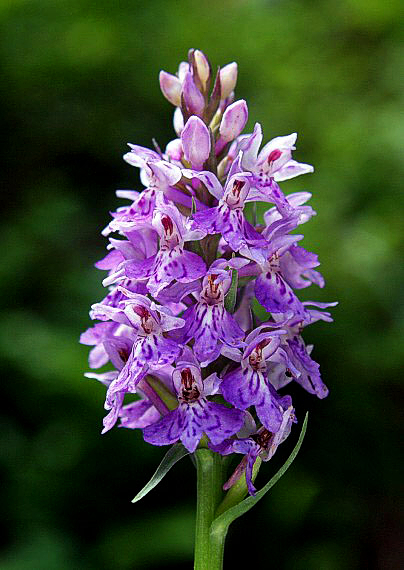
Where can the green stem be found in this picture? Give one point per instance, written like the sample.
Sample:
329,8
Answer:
208,555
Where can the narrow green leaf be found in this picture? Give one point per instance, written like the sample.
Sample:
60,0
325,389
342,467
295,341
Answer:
230,299
222,522
174,454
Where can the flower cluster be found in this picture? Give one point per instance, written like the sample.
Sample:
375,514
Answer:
183,265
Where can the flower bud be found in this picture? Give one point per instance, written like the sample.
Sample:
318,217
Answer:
196,142
228,79
178,121
193,98
174,150
183,69
170,87
202,67
233,120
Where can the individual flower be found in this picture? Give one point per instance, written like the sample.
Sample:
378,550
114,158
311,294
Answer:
272,164
152,348
262,443
249,385
195,414
208,322
305,370
172,261
227,218
159,177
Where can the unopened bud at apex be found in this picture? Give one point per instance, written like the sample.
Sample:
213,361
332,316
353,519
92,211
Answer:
203,68
228,79
170,86
196,142
233,120
232,123
193,98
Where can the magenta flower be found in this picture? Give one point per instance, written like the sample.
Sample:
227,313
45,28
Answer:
249,385
208,322
172,261
262,443
195,414
151,349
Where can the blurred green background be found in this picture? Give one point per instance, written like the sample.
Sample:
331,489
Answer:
79,80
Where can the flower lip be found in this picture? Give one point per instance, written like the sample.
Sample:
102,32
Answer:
171,237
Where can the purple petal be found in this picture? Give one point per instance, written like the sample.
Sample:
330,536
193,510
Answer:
114,404
243,387
110,261
291,169
195,416
269,411
170,86
222,422
207,334
138,414
140,269
250,148
193,98
97,357
182,265
276,295
310,377
232,334
167,430
208,179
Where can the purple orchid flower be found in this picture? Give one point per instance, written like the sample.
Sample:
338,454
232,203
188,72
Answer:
140,244
138,414
262,443
95,336
272,164
249,385
227,217
152,348
275,158
284,267
271,288
159,177
172,261
195,414
208,322
301,212
305,370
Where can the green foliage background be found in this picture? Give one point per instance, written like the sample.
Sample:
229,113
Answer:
79,80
